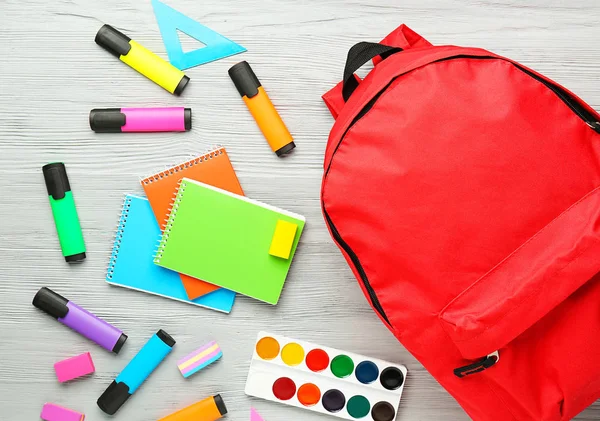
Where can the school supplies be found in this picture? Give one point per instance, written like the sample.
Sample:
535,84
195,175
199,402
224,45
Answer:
52,412
66,220
200,358
216,46
117,120
144,61
254,416
131,265
80,320
258,102
136,372
283,239
224,239
214,168
325,380
209,409
74,367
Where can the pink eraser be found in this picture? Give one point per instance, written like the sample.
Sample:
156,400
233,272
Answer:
52,412
71,368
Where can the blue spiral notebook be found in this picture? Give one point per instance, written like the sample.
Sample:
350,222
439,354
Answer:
131,264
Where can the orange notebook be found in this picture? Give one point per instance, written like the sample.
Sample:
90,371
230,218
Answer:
212,168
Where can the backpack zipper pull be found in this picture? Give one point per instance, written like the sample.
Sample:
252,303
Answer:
478,366
594,125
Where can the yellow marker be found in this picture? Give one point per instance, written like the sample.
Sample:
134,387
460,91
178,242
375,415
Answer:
141,59
266,116
283,239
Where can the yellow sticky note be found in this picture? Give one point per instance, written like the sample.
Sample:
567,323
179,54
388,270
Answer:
283,239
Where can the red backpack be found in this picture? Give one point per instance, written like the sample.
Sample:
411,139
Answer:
463,189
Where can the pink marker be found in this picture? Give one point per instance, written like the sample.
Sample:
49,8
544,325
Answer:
117,120
75,367
52,412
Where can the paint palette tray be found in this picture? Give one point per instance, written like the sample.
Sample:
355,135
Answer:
325,380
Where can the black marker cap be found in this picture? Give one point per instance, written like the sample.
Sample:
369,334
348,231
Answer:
220,404
75,258
183,83
107,120
244,79
113,397
57,182
120,343
187,118
51,303
284,150
113,41
166,338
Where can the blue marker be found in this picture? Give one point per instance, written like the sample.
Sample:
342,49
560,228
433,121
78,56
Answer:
136,372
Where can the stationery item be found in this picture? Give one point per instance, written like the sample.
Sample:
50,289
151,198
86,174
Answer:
52,412
80,320
136,372
74,367
200,358
209,409
144,61
258,102
67,223
325,380
254,416
283,239
214,168
216,46
117,120
224,239
131,263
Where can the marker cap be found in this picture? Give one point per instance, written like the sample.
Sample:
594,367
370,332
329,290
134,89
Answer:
166,338
187,118
57,182
182,85
220,404
244,79
113,41
113,397
285,149
51,303
120,342
107,120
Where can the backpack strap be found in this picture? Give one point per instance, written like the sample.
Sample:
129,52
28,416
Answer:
402,38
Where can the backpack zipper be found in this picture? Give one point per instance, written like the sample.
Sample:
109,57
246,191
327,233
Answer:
574,104
361,272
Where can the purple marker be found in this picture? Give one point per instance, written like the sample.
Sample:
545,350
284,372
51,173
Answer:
80,320
117,120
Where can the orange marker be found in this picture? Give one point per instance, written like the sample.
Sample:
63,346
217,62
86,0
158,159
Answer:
262,109
209,409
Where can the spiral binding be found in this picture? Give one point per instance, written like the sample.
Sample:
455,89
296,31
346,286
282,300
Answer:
184,165
173,207
118,238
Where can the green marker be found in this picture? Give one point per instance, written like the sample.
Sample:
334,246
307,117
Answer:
64,212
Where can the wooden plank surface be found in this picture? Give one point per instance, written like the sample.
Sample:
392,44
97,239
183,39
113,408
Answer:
52,74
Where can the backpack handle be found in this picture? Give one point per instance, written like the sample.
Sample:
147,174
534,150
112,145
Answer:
401,37
359,55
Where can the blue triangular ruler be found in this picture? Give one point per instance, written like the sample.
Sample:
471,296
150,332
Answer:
217,46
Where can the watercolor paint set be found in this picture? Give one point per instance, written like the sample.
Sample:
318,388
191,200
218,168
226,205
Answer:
325,380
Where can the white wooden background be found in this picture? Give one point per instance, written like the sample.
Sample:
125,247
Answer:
52,73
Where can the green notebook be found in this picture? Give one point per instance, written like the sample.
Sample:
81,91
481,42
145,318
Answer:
226,240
